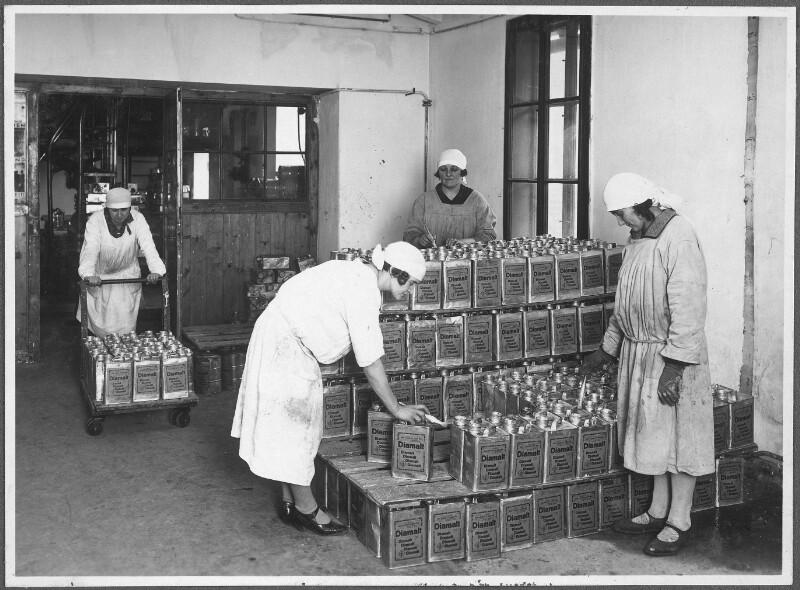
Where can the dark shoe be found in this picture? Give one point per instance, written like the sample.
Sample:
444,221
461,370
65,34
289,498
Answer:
286,512
628,527
659,548
309,522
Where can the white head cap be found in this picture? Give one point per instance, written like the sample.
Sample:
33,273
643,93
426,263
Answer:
452,157
402,256
118,198
627,189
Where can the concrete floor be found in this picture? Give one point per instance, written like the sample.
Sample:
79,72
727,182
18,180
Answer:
149,499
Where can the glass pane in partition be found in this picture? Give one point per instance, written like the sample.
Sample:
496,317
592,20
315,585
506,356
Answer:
523,209
526,66
201,126
563,146
243,128
564,60
291,177
524,133
289,128
562,218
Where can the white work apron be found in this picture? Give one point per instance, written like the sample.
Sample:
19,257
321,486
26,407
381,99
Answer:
278,416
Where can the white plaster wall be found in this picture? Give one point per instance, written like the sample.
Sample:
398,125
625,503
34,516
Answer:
380,165
468,93
771,195
220,49
669,102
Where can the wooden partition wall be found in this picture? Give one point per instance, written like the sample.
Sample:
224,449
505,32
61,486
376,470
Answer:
219,257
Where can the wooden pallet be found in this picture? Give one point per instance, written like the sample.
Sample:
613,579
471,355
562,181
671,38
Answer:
216,336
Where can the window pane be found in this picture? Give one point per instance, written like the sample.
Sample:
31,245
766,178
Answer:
564,59
290,128
524,132
292,183
523,210
526,66
243,128
563,148
201,126
561,210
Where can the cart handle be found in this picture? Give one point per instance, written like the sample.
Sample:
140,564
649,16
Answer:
83,285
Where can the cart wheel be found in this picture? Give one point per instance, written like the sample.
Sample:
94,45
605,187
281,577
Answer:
180,418
94,426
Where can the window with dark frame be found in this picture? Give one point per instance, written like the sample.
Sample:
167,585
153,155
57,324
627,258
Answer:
546,177
244,151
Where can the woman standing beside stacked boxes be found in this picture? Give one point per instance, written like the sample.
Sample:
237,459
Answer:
665,411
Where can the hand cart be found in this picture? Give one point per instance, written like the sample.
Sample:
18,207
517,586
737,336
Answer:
98,410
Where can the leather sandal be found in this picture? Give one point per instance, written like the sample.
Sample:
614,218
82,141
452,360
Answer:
309,521
628,527
659,548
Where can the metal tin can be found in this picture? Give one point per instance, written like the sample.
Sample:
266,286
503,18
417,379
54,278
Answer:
730,481
404,537
508,340
486,461
427,294
593,445
449,340
640,492
146,378
336,400
583,514
486,282
421,347
526,453
537,333
394,343
360,403
590,327
613,493
592,275
613,261
541,278
412,451
741,420
483,529
457,433
705,492
516,516
118,380
478,337
548,509
515,280
428,392
457,282
403,389
379,435
561,444
457,394
564,330
568,271
446,531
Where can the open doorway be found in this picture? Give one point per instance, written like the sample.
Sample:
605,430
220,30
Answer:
89,143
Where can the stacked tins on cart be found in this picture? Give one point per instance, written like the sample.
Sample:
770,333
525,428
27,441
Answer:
130,368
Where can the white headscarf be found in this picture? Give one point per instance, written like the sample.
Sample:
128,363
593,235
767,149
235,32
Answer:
627,189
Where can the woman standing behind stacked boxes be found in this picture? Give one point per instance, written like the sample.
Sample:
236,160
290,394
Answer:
665,407
452,211
316,318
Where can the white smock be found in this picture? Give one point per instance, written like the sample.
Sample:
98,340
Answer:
318,316
660,311
112,309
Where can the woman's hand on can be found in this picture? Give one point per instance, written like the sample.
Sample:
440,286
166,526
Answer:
415,413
